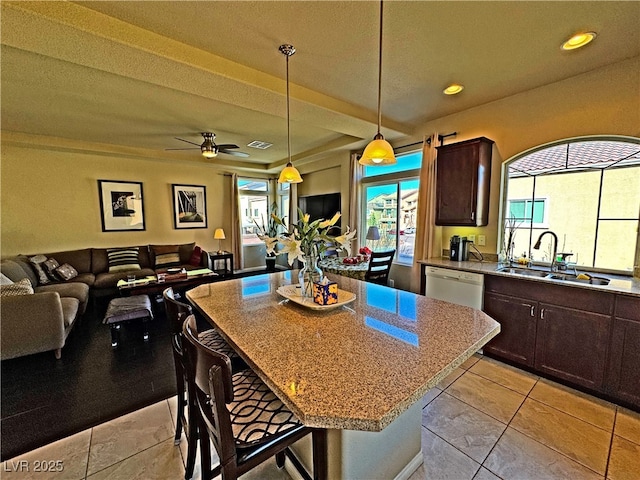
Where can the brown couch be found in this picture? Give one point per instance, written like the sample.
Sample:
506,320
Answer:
41,321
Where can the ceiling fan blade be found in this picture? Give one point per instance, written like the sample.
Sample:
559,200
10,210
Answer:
226,146
191,148
235,154
187,141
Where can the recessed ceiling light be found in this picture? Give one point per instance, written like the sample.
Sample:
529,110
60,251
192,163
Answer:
453,89
578,40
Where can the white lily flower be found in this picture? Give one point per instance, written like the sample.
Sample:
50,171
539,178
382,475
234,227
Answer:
345,240
292,249
270,243
330,223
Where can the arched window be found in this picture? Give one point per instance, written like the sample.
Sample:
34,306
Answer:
585,190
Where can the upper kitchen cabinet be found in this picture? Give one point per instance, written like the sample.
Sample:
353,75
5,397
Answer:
462,183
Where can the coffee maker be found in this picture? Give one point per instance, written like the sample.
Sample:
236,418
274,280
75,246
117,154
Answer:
458,249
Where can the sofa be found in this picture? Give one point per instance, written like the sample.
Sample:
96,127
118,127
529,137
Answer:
37,315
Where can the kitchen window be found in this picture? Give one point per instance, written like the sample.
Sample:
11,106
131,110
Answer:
390,203
586,191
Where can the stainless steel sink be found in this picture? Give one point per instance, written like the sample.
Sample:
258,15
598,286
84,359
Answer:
567,277
524,271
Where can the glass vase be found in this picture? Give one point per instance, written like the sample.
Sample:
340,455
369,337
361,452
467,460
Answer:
309,274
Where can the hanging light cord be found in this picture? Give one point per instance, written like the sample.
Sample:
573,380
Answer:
288,120
380,72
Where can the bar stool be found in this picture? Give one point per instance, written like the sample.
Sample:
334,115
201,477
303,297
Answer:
245,421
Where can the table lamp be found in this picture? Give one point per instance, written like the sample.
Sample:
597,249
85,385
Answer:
373,233
219,235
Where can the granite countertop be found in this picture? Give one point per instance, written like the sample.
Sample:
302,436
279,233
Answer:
618,283
355,368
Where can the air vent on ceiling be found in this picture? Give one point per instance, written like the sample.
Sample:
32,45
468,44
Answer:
259,144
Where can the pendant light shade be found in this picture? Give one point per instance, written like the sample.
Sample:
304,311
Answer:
289,174
379,151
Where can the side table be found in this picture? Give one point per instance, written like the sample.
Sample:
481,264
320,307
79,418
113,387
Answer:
226,258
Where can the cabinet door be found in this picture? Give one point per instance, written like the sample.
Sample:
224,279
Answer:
456,187
517,318
623,377
572,345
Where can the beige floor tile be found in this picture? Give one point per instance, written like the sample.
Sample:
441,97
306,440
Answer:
628,425
161,461
566,434
624,463
430,396
449,379
125,436
585,407
487,396
517,456
472,360
442,461
65,459
484,474
464,427
505,375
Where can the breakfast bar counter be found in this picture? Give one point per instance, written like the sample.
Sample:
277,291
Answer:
358,370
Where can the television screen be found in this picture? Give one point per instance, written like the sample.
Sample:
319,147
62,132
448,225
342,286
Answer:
321,206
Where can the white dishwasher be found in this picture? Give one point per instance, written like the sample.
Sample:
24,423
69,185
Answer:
455,286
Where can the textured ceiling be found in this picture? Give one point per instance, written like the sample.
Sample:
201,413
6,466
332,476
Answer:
136,74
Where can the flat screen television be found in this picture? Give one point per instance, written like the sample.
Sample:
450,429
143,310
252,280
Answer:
321,206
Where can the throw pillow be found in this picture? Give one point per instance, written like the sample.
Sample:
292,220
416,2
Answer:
66,272
49,267
167,256
123,259
196,257
36,262
4,280
21,287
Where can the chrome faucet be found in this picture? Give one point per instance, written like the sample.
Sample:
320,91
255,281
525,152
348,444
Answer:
555,248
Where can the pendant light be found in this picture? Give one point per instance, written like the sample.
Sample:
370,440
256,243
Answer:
289,174
379,151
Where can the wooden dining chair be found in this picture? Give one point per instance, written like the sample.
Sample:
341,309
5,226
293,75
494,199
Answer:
379,267
176,313
246,422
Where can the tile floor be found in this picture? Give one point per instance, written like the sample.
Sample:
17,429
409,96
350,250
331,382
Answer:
485,421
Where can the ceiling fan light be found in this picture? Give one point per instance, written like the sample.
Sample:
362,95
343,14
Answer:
378,152
209,153
289,174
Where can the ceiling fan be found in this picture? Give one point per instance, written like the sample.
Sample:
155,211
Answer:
209,148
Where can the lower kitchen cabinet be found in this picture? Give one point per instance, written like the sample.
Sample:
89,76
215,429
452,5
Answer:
585,337
572,345
517,338
623,374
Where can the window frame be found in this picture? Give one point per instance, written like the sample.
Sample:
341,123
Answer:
388,179
504,206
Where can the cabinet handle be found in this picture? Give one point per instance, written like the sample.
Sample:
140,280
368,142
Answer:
542,313
532,310
473,215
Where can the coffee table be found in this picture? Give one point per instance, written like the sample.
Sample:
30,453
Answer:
150,285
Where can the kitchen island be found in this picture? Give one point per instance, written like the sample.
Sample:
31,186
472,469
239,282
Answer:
358,370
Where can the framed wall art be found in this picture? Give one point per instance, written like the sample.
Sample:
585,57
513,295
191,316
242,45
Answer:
121,205
189,206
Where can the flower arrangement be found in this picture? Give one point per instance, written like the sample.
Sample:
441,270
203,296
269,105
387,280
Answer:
306,238
269,230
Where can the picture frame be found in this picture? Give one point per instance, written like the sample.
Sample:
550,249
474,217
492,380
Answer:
121,206
189,206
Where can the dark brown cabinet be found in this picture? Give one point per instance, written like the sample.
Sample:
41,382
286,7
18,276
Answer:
565,332
623,374
517,338
462,183
572,345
